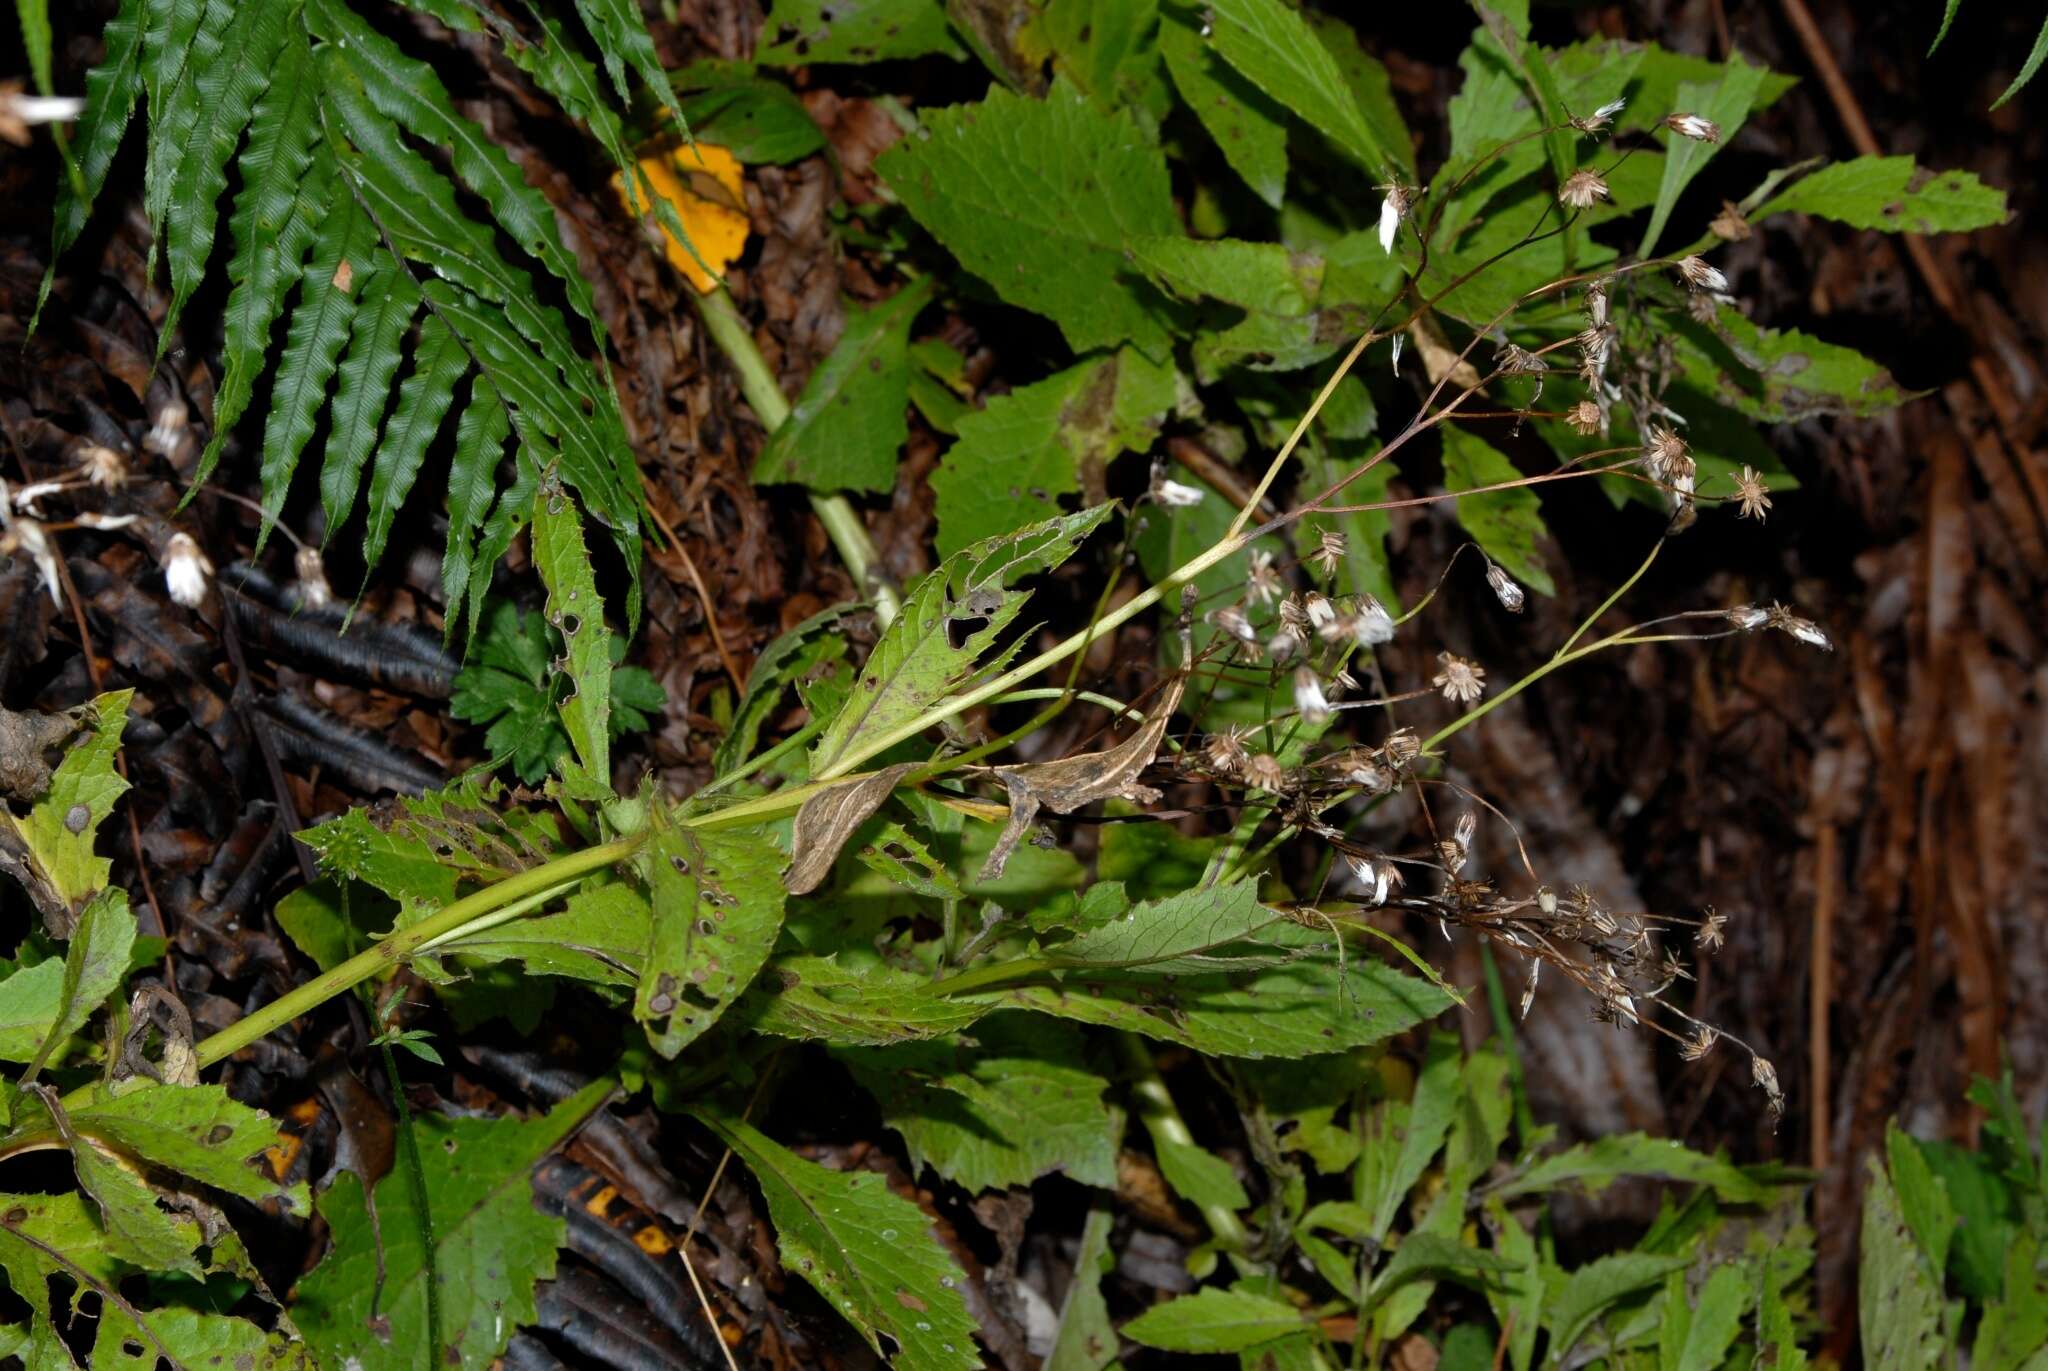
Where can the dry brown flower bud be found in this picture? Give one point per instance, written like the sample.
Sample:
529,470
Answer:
1262,580
1694,126
1582,188
1401,748
1329,553
1264,772
1504,588
102,466
1225,751
1713,934
1752,494
1701,275
1462,681
1699,1044
1583,417
1729,224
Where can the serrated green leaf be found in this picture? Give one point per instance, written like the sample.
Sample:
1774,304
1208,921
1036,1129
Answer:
45,1236
1584,1294
846,429
194,1130
1727,103
30,1001
1247,125
1274,48
902,857
1417,1131
1983,1215
189,1337
1297,1009
1266,277
1594,1164
575,611
918,661
1189,931
1004,1104
133,1227
1899,1304
791,657
717,902
1892,194
2035,57
322,321
1780,376
424,850
1214,1321
1371,86
600,936
1024,450
1713,1319
56,857
1507,524
802,32
2013,1332
1199,1175
854,1004
1038,198
870,1253
1923,1198
95,964
490,1245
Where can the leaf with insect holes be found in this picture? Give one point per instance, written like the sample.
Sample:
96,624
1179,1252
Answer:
1213,1320
717,901
905,860
427,850
820,998
575,611
870,1253
1038,198
1893,194
194,1130
845,430
51,850
490,1246
806,32
599,935
1003,1104
1901,1308
1507,524
44,1236
949,619
1022,451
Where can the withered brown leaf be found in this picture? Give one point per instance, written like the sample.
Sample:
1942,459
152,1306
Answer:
828,819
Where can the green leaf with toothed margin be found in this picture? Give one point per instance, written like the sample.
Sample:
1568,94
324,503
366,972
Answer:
1507,524
717,900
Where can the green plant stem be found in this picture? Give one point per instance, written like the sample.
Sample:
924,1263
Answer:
842,522
1163,1121
406,941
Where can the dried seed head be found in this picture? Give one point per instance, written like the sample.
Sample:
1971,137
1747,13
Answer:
1766,1077
1309,698
24,534
1468,825
1730,224
1713,934
1393,210
1329,553
1805,630
1462,681
1401,748
1360,769
1321,613
1394,363
102,466
1584,417
1225,751
1377,876
168,431
1372,625
1594,345
1600,118
1529,990
1264,772
314,592
1262,580
1546,900
185,570
1699,1044
1581,189
1284,643
1174,495
1294,617
1749,618
1704,307
1232,621
1752,494
1596,302
1693,126
1504,588
1666,456
1701,275
26,497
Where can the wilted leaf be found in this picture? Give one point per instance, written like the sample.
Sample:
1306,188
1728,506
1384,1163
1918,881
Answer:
868,1252
490,1246
827,819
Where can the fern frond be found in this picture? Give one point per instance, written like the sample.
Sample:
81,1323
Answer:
621,36
283,200
111,89
384,312
320,328
472,479
224,86
423,400
178,32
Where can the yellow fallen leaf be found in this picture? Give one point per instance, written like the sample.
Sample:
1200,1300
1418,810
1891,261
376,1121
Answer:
702,182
